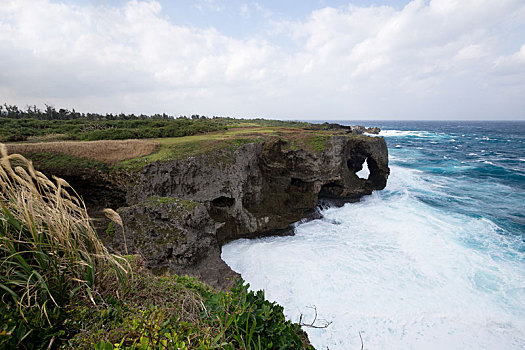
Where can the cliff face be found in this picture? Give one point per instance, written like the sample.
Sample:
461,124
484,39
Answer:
258,189
261,188
178,236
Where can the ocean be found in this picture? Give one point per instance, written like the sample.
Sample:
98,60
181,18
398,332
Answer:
436,260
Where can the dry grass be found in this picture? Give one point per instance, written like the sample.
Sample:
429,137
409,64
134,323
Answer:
135,154
48,248
107,151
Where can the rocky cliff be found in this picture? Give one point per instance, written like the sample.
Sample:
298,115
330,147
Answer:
177,213
258,189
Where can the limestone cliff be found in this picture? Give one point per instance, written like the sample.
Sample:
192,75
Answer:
258,189
177,236
262,188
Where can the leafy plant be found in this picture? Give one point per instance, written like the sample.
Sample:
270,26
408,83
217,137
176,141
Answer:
319,142
247,320
110,231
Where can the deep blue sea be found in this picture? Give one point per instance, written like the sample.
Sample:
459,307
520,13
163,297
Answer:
436,260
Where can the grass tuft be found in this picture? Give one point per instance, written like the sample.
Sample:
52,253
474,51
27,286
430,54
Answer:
49,252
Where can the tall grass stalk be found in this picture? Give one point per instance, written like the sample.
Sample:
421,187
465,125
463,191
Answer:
49,252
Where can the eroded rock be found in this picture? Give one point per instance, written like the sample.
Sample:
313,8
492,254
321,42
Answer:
262,188
176,235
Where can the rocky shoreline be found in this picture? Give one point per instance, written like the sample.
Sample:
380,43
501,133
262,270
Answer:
181,212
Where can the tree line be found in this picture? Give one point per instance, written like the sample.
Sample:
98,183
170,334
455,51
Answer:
34,124
51,113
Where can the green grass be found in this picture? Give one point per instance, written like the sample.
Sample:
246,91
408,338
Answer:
56,161
191,146
319,142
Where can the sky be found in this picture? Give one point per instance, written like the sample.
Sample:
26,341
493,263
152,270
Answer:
284,59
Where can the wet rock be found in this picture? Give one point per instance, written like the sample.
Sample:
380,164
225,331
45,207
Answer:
358,129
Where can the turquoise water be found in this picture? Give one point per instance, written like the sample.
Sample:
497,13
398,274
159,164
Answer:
434,261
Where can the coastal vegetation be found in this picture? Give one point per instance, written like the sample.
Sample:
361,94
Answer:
33,124
116,155
60,287
54,139
49,254
110,156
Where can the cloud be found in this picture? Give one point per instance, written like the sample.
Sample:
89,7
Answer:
245,11
207,5
431,59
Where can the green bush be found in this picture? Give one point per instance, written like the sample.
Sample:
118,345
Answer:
19,125
247,320
110,231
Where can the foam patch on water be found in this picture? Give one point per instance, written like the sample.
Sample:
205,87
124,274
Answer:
401,273
412,133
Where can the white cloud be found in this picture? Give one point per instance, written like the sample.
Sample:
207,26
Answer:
207,5
440,59
471,52
245,11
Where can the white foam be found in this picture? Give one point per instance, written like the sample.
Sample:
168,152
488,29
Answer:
413,133
404,275
402,133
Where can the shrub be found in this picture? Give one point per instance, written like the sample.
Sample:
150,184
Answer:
247,320
171,312
110,231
